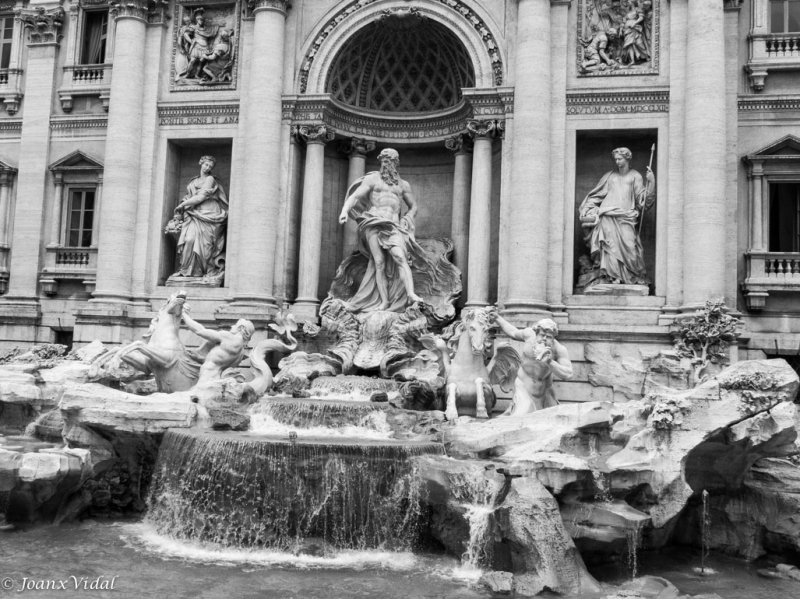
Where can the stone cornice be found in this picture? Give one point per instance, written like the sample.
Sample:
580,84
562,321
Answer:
761,103
617,102
45,26
398,128
496,102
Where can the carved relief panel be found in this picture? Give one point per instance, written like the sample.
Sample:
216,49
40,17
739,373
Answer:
618,37
205,46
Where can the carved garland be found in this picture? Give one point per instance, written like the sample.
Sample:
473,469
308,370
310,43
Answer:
458,6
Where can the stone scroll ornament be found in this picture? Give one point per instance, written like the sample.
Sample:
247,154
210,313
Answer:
205,47
618,37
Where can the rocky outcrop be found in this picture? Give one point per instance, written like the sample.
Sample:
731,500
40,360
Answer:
616,468
508,524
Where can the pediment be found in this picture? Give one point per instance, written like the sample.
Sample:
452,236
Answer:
786,148
4,167
77,161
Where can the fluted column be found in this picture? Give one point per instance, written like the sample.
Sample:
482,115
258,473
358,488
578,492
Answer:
122,156
307,302
44,31
461,145
261,198
58,211
356,150
756,219
480,213
529,200
704,158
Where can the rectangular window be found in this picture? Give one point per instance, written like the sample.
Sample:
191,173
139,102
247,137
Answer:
80,218
6,38
784,16
784,217
95,34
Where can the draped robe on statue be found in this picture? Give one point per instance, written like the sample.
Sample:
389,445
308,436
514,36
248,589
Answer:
614,243
201,245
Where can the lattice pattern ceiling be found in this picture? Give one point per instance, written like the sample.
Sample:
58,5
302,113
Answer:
418,69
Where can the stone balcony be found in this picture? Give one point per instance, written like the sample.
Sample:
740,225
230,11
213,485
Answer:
85,80
68,264
772,52
770,271
10,89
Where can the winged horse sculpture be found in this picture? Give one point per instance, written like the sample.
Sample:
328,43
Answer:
469,379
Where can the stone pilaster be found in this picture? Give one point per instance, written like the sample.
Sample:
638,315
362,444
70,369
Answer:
30,216
483,133
529,200
260,202
756,176
307,303
704,156
356,150
122,158
461,145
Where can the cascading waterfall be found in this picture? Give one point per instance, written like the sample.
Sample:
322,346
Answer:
246,490
304,413
480,502
634,535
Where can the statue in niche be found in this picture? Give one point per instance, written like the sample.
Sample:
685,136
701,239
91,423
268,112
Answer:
542,357
204,51
199,224
616,36
384,237
610,216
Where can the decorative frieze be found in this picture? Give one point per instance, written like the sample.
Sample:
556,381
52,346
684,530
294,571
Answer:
464,11
754,104
618,102
45,26
204,54
616,38
198,114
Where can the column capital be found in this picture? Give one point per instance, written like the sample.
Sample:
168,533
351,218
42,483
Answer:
129,9
756,168
312,134
459,144
58,176
482,129
45,26
356,146
280,6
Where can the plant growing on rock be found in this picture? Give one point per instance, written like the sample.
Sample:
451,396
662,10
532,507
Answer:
706,337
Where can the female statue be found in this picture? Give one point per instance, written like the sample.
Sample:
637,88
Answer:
202,214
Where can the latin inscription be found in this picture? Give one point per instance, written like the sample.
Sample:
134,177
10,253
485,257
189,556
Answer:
169,121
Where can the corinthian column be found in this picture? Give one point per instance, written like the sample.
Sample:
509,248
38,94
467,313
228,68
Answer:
30,210
462,183
122,156
704,157
357,151
480,213
307,303
260,199
529,200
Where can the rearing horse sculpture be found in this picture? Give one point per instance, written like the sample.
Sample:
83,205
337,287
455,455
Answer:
162,352
468,379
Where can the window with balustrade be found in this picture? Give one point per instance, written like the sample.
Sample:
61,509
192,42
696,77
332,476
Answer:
773,257
95,35
80,218
10,73
784,16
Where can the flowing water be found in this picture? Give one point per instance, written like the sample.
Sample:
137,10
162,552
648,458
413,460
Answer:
320,418
246,490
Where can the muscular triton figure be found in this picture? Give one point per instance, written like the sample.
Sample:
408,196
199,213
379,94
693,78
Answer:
384,237
222,349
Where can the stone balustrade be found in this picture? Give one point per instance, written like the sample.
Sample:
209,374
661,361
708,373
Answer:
772,51
10,88
770,271
64,264
85,80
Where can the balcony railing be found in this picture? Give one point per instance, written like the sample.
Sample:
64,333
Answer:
772,51
68,264
767,272
10,89
85,80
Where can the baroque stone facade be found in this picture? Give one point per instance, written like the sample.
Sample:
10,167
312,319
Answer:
505,114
